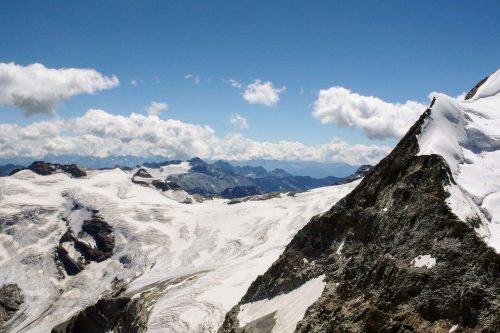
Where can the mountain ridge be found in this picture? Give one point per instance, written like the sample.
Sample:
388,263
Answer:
370,247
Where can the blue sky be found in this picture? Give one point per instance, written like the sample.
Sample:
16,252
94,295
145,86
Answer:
394,50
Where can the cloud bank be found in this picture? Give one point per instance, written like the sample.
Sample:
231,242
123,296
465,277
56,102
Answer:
378,119
262,93
38,89
98,133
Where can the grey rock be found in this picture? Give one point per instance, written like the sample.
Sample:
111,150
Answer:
11,299
45,169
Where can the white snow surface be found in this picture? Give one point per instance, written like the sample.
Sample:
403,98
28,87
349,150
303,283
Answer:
168,170
425,260
467,134
288,308
222,247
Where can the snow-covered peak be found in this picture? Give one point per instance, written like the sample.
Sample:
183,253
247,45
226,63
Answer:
488,88
466,133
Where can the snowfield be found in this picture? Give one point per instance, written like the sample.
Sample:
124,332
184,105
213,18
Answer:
467,134
212,250
287,309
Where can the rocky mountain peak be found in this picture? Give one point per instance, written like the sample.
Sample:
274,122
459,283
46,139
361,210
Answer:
399,253
44,169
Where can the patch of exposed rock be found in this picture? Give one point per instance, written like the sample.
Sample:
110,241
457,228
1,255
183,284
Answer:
94,243
260,197
46,169
142,177
11,299
360,173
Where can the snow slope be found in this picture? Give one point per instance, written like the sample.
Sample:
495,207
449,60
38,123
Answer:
215,250
467,134
288,308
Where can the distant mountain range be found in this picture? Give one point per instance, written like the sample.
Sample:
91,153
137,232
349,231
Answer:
226,180
197,177
297,168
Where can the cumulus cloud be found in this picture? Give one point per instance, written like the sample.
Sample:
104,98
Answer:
134,82
37,89
155,108
194,77
262,93
378,119
239,121
98,133
233,83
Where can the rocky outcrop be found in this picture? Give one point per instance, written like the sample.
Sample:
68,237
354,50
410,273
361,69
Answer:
119,312
142,177
11,299
94,243
165,185
260,197
142,173
45,169
101,317
360,173
367,244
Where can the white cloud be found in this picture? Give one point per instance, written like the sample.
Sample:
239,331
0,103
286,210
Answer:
238,120
378,119
233,83
262,93
98,133
134,82
155,108
37,89
194,77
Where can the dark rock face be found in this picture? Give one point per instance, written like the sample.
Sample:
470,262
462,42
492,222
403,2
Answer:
45,169
163,185
397,213
11,299
83,252
142,173
98,318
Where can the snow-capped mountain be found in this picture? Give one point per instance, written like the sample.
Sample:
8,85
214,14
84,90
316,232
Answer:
413,248
218,179
107,250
